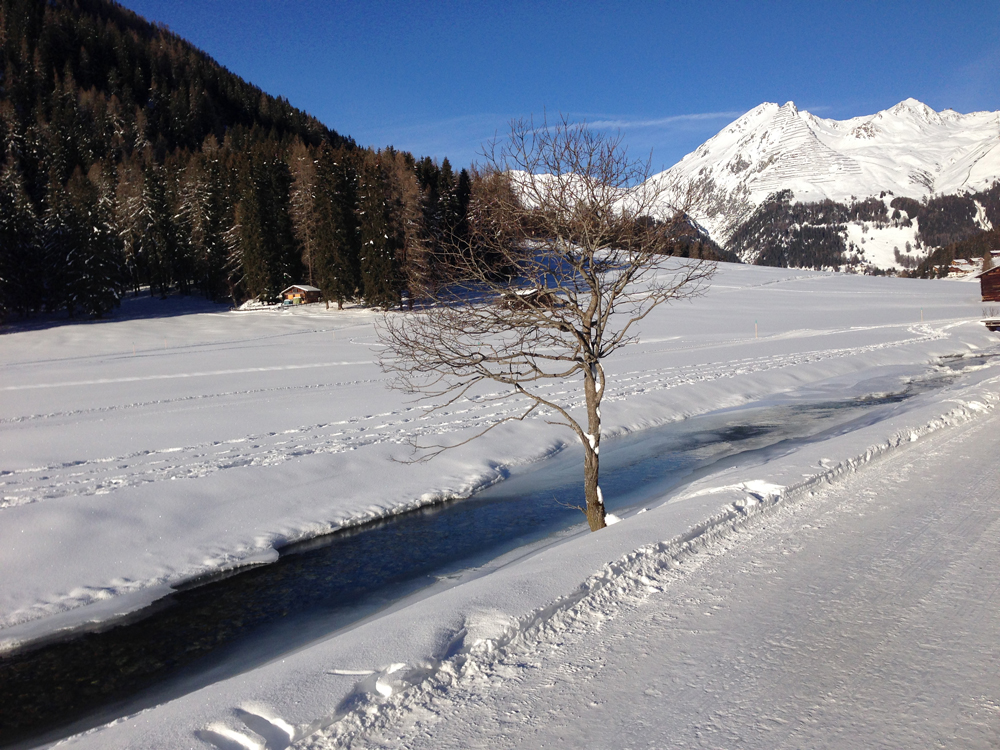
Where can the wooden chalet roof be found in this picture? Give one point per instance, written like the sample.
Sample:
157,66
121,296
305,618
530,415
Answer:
300,287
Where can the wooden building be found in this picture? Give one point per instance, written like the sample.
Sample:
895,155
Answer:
300,294
530,299
989,283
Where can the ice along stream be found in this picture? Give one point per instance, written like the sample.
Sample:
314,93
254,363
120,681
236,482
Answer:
223,626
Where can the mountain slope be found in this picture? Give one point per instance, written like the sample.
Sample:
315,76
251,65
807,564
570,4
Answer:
909,150
129,158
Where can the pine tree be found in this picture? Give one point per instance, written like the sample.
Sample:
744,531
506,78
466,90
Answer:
251,255
129,219
337,239
182,264
96,283
445,206
213,217
158,244
411,242
61,253
269,256
20,274
447,203
380,273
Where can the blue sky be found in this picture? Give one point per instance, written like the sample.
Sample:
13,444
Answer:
440,78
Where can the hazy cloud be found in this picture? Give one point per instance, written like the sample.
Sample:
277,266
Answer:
624,124
461,138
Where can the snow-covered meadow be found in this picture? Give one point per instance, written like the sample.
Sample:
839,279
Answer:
179,439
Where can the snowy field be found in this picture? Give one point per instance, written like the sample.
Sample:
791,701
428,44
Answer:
147,450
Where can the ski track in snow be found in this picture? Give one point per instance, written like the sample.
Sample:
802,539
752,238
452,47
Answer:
400,427
493,666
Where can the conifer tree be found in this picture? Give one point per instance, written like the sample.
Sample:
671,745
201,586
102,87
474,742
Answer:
20,275
96,282
210,217
251,256
179,181
337,240
269,256
428,176
129,219
403,198
158,241
60,245
447,203
381,279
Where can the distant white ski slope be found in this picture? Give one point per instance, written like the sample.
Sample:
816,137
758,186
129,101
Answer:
908,150
841,590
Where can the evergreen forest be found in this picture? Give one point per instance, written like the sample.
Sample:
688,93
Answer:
131,159
785,233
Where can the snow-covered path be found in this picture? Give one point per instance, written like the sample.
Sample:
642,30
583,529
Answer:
863,616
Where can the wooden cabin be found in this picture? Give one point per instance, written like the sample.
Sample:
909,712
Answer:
530,299
300,294
989,284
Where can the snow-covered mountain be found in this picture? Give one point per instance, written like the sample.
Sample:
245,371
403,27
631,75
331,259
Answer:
909,150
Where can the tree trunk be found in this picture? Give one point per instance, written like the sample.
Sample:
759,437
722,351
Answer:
593,386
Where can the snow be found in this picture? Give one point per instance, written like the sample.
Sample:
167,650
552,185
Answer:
877,245
908,150
861,616
302,287
144,451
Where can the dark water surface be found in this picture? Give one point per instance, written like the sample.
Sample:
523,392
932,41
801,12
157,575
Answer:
226,625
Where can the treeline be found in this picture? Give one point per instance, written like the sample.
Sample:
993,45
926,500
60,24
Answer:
130,158
800,235
813,235
691,241
938,262
948,219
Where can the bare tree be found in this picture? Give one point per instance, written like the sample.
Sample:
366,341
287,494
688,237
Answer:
564,259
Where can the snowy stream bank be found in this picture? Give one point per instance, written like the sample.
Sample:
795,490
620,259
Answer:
220,628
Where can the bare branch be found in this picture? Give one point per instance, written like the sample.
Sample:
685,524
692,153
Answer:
571,245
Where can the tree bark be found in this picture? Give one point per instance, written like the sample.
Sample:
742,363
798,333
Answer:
593,386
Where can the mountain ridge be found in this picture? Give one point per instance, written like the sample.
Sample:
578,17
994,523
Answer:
909,150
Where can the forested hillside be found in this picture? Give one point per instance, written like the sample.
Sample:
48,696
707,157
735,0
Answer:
131,158
783,232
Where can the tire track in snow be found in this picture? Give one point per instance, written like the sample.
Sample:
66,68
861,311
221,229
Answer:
177,376
111,409
400,427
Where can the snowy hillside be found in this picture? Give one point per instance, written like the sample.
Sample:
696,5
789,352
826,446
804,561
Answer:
908,150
